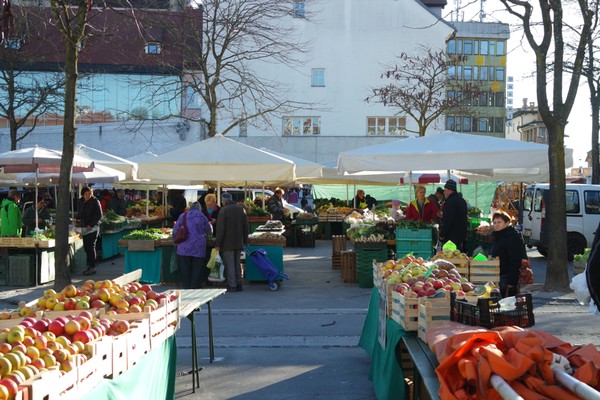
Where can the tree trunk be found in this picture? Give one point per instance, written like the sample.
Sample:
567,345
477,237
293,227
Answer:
13,133
595,136
63,273
557,274
212,124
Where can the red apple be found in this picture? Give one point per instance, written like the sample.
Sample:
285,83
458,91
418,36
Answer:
11,386
83,336
41,326
72,326
146,288
84,322
120,326
57,327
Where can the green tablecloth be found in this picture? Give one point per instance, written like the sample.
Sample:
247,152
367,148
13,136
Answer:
274,254
153,377
386,372
149,261
110,243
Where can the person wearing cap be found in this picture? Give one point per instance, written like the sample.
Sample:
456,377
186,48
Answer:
396,212
421,209
454,220
29,217
231,239
275,205
191,253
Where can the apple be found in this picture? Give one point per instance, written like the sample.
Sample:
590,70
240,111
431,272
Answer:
97,304
135,301
53,345
4,315
72,326
437,284
64,340
70,304
49,360
11,386
146,288
120,326
83,321
70,291
15,335
151,303
82,305
41,326
14,359
431,292
18,347
51,302
49,335
39,363
32,352
114,299
103,294
61,355
152,295
40,342
60,306
83,336
134,309
5,348
57,327
6,366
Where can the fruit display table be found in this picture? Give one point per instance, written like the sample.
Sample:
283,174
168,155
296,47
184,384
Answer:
149,261
386,372
145,380
110,243
23,262
300,225
274,253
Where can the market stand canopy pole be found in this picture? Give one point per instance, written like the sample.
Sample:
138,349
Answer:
219,159
494,158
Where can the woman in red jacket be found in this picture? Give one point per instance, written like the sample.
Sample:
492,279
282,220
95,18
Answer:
421,209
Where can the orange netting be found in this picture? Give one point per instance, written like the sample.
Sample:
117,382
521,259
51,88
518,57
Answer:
469,356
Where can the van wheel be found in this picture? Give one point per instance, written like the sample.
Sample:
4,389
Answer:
575,245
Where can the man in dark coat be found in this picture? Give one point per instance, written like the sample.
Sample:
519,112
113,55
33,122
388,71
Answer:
454,217
232,238
89,215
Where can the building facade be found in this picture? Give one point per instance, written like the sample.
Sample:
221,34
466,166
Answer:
483,46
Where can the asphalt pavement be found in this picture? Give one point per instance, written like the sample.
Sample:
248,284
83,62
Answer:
300,342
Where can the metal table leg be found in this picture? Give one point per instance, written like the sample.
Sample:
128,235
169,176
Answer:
211,343
195,368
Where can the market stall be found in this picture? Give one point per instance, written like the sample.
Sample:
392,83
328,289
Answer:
268,237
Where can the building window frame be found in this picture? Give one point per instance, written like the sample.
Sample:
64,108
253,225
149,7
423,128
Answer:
317,77
153,48
299,8
386,126
301,125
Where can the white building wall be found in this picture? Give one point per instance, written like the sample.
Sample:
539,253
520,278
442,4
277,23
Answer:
353,40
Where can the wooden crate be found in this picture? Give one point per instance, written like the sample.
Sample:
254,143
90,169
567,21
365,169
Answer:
338,244
119,355
17,242
348,269
42,385
461,265
103,354
140,245
336,261
138,342
481,272
89,374
432,313
405,311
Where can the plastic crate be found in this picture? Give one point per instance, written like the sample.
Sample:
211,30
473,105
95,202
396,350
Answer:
21,270
416,234
365,275
370,245
487,313
417,248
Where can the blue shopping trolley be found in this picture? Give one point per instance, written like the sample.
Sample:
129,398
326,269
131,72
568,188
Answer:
267,269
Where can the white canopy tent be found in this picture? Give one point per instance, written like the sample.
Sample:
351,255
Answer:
491,158
304,168
220,160
129,168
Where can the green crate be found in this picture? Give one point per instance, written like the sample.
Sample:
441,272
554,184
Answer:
414,234
21,270
417,248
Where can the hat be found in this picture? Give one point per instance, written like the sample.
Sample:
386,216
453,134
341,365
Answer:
226,197
450,184
396,203
439,190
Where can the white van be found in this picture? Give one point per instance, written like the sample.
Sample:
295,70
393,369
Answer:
583,216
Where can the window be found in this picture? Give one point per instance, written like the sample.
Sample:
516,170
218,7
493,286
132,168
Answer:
459,47
483,47
483,125
491,73
498,124
572,202
317,77
475,73
492,47
499,99
299,9
468,73
592,202
527,199
381,126
191,97
452,46
500,48
500,74
452,72
297,126
483,73
468,47
476,47
467,124
13,44
450,122
153,48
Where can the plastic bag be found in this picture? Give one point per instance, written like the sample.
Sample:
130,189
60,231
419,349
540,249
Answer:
213,257
217,274
449,245
580,287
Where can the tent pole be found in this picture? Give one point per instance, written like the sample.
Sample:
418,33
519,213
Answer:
35,200
263,194
219,193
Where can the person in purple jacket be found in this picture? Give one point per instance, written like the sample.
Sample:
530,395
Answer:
191,253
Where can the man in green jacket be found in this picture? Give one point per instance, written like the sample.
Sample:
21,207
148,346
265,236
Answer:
10,215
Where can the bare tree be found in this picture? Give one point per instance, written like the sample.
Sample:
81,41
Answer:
555,112
418,85
238,36
592,74
25,95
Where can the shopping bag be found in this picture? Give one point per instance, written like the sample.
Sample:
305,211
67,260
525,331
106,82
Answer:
217,274
212,259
